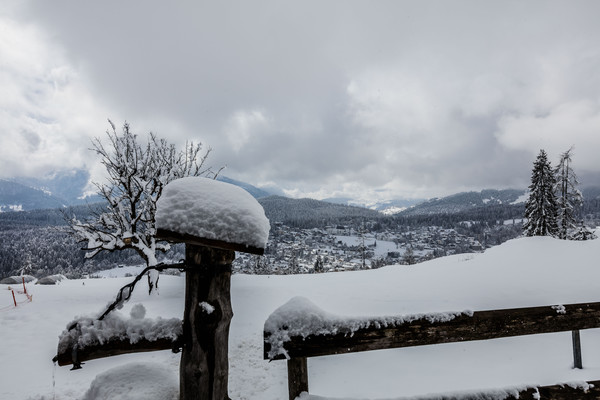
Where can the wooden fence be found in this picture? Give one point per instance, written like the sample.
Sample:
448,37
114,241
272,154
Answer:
481,325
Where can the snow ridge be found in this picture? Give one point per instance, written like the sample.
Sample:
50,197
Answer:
301,317
90,331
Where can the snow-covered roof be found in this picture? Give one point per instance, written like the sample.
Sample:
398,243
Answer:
213,210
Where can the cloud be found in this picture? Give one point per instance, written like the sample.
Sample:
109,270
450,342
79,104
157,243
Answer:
568,124
45,114
243,126
335,98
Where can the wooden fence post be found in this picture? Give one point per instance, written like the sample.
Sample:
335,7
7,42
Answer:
204,367
577,363
297,376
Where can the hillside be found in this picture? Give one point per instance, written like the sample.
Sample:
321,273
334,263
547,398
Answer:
17,197
310,212
461,202
59,190
523,272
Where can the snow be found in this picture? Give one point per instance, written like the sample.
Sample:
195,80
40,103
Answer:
207,308
211,209
135,381
522,198
393,210
90,331
525,272
381,249
300,317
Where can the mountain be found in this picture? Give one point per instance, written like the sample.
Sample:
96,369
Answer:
301,212
66,189
253,190
465,201
68,185
386,207
58,190
18,197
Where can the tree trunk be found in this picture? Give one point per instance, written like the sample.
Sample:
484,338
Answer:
204,365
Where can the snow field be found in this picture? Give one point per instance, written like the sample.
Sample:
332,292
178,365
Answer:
520,273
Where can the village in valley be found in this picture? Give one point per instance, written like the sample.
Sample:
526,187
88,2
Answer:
346,248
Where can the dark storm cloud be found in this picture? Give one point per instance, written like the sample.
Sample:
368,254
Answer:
329,98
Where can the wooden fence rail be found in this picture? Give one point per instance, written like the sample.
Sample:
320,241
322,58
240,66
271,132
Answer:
481,325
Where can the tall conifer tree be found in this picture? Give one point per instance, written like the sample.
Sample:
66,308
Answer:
541,208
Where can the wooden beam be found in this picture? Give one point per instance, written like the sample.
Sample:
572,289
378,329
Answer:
583,391
163,234
112,347
482,325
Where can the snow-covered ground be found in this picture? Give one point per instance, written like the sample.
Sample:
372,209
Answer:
519,273
381,249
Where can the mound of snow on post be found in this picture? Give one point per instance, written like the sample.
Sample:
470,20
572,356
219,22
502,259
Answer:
214,210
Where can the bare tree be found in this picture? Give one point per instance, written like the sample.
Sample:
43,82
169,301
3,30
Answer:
137,174
568,197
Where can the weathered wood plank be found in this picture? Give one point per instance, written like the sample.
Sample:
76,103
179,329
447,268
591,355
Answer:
171,236
113,347
483,325
584,391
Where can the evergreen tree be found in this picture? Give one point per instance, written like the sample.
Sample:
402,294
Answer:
540,208
409,256
568,197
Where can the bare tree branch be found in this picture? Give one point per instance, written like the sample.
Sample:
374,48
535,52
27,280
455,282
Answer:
137,173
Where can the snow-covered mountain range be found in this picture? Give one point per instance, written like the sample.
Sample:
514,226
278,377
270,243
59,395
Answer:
69,189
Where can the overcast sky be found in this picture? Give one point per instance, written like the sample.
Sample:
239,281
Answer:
369,99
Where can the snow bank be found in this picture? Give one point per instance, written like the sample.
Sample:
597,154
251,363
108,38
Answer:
135,381
51,279
211,209
90,331
14,280
300,317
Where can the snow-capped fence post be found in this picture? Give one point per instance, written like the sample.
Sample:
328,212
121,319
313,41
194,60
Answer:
213,219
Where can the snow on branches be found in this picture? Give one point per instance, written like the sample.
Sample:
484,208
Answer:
568,196
137,173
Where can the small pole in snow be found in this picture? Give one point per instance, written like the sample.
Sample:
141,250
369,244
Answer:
577,363
24,288
14,299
